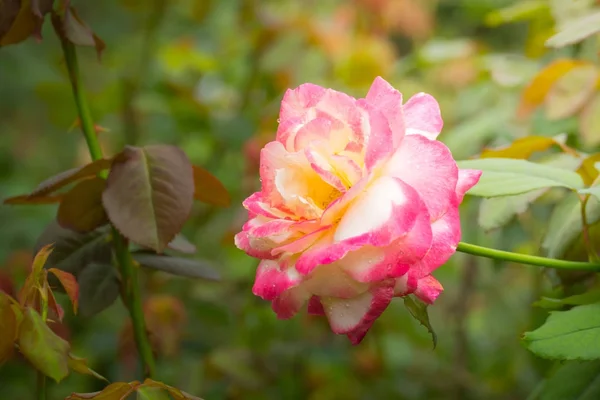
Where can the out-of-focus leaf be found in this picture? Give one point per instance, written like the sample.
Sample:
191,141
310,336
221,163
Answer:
497,211
99,287
79,365
165,318
208,189
575,300
573,380
418,310
149,194
565,224
114,391
81,209
589,122
182,245
504,176
523,148
42,347
576,30
521,11
535,93
72,251
571,91
567,335
8,327
58,181
177,266
20,19
69,283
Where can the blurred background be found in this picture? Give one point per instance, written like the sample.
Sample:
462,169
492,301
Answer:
209,76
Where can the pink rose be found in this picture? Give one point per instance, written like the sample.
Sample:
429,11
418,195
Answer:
359,204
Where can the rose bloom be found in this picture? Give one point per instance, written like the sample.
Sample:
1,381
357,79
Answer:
359,204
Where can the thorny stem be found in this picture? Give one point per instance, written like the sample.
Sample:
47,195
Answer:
526,259
129,274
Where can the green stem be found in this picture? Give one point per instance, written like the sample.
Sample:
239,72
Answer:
129,274
526,259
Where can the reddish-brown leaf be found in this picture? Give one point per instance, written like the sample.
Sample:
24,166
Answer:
81,209
21,19
78,32
61,180
176,393
114,391
149,194
8,327
208,189
53,305
70,285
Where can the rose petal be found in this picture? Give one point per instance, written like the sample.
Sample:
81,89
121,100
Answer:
388,100
429,168
467,178
271,281
380,142
422,116
428,289
355,316
290,302
315,307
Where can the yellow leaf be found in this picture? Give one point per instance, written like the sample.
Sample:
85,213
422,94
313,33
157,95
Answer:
523,148
535,93
78,364
571,91
587,170
208,189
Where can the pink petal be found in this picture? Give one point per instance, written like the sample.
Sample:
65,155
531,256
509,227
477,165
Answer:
422,116
429,168
302,243
324,169
428,289
331,281
271,281
380,142
257,205
388,100
295,102
242,242
355,316
318,129
387,210
290,302
446,235
467,178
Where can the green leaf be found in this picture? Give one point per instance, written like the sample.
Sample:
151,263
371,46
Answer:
8,327
498,211
505,176
174,392
524,147
568,335
59,181
594,191
177,266
418,310
99,287
575,300
149,194
81,209
79,365
208,189
571,91
576,30
152,393
72,251
43,348
573,380
565,224
181,244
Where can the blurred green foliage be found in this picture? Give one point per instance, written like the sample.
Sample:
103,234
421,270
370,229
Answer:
208,76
